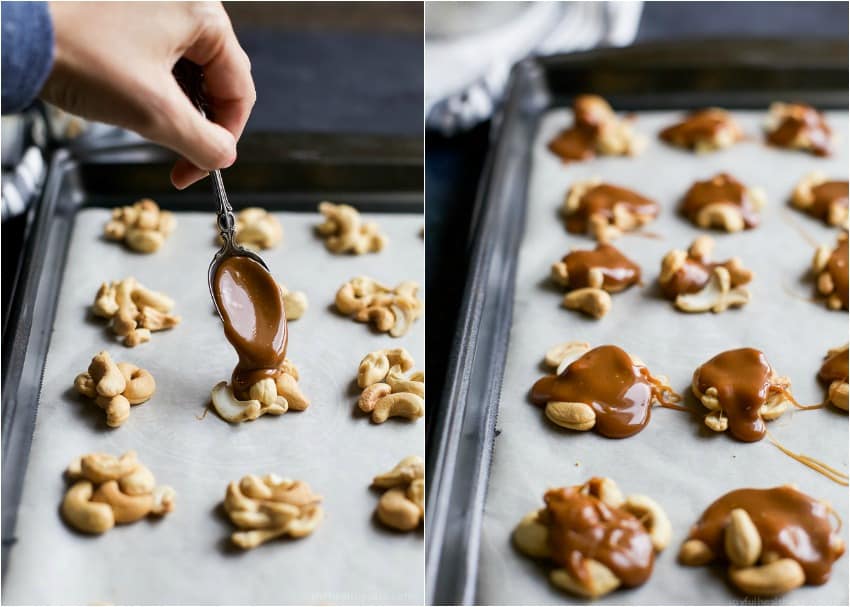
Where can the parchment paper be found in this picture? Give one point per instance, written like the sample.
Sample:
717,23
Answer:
186,557
675,459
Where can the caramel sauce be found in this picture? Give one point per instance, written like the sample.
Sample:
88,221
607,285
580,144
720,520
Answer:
619,271
722,188
578,142
601,200
699,126
251,306
802,120
743,381
834,367
825,196
620,392
790,523
581,526
838,271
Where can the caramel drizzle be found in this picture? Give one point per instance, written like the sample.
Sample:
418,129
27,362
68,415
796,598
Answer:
581,526
790,524
620,392
833,474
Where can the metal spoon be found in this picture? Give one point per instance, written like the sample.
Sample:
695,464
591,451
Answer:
190,78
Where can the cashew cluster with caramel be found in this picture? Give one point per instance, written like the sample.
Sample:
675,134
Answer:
109,490
345,232
133,310
273,396
115,387
402,505
387,389
575,531
388,310
822,198
257,229
830,269
773,540
696,284
143,227
268,507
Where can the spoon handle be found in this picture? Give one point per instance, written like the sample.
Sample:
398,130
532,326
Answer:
190,78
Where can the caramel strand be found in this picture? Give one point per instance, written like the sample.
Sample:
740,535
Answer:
818,466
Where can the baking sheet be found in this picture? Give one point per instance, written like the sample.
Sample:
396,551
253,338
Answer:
185,558
675,459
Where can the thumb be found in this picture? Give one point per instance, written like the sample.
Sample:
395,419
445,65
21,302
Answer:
183,129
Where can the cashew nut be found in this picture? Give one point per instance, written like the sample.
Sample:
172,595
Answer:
575,416
138,482
695,553
140,383
106,375
114,387
601,580
125,508
267,396
83,514
390,393
778,577
532,537
375,365
593,302
402,474
563,355
257,229
742,541
103,467
717,296
651,516
294,302
720,215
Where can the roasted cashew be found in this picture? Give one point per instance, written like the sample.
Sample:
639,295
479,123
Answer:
294,303
601,580
742,541
271,507
143,227
717,296
402,506
114,387
82,513
109,490
651,516
531,536
720,215
125,508
593,302
695,553
389,310
344,231
563,355
778,577
375,365
257,229
574,416
133,310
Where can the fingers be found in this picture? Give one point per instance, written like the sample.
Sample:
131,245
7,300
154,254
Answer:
228,84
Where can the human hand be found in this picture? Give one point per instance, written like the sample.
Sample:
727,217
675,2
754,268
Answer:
113,63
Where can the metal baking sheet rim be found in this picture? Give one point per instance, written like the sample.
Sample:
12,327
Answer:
465,452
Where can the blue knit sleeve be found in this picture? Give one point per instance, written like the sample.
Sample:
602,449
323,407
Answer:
27,53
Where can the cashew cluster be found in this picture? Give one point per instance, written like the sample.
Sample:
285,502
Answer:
143,227
824,278
256,229
402,505
704,131
725,287
133,310
804,198
614,135
574,415
109,490
344,230
531,537
387,389
267,396
604,229
268,507
727,215
388,310
115,387
753,569
812,135
774,406
838,390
